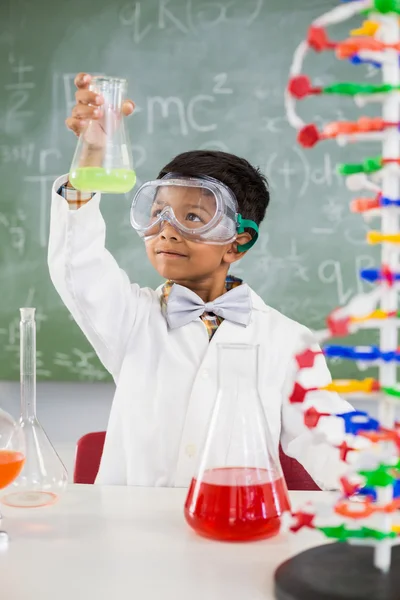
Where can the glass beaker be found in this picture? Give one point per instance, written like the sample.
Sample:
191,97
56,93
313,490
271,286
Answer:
239,492
103,157
43,477
12,455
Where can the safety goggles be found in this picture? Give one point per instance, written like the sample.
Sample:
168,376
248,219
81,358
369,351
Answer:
201,209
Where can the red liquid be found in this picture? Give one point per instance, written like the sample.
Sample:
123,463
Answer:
236,504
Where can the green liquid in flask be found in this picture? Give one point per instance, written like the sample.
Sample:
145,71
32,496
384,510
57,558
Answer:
98,179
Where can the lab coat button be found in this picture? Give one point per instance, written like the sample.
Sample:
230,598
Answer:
205,374
190,450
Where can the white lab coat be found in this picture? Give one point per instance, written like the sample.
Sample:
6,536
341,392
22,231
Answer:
166,379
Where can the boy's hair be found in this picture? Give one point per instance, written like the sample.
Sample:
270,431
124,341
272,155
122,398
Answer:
246,182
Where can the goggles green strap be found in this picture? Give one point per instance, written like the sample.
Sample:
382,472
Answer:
243,224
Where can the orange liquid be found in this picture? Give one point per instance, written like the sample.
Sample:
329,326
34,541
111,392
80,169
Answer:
11,464
236,504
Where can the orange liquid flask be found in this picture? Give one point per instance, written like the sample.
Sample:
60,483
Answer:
42,478
239,492
12,456
11,463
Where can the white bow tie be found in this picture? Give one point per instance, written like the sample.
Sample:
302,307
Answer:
184,306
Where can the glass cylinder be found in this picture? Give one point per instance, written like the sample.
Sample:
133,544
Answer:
103,157
239,492
43,477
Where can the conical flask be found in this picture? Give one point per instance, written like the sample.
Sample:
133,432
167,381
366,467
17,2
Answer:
43,477
103,157
239,492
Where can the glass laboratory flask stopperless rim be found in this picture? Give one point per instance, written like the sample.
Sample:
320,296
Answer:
239,492
43,477
103,157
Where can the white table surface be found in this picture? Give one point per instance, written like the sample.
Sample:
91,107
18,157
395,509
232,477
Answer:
103,542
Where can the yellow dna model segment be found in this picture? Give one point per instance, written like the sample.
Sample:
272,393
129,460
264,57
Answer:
368,28
374,315
376,237
349,386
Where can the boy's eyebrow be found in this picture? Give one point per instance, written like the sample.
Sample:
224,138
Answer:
162,202
197,207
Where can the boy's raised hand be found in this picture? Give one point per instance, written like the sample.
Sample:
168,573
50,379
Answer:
87,105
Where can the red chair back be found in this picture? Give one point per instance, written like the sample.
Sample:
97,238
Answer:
295,474
88,455
90,448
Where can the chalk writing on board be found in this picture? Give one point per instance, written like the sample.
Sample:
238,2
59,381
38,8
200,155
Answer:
302,309
18,91
14,361
273,124
371,71
292,170
270,266
333,210
352,231
264,93
279,124
139,155
164,105
131,15
207,15
11,337
221,86
44,182
44,157
331,272
14,225
79,363
41,368
197,16
274,271
69,91
341,223
192,115
188,116
15,154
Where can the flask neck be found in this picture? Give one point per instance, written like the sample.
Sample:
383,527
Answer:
112,89
238,366
28,362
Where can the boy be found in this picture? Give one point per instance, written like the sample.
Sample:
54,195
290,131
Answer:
160,346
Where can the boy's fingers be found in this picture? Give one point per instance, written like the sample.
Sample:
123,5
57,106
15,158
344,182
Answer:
75,125
82,111
128,107
86,97
82,80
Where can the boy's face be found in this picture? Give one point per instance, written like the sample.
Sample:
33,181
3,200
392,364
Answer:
178,258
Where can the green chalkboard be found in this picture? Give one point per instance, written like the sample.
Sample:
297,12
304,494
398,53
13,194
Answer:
204,74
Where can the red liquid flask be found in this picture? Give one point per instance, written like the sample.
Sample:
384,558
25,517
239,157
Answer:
239,492
236,504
